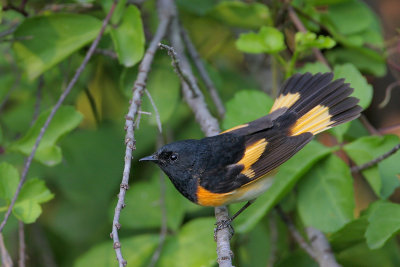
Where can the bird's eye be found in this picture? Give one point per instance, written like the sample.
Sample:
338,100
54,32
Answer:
173,157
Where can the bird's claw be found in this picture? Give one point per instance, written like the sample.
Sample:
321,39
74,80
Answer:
222,225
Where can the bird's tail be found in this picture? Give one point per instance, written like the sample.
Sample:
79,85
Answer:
319,102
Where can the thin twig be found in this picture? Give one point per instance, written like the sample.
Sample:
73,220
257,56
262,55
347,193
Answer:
106,52
165,14
177,67
388,93
370,128
42,247
273,240
5,257
321,248
54,110
295,234
155,110
93,106
21,237
389,129
9,31
299,25
209,126
20,9
163,207
203,72
375,161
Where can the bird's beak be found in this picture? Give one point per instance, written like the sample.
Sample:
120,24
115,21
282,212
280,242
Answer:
150,158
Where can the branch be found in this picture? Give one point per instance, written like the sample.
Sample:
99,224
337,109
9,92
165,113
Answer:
5,257
295,234
165,14
209,126
388,93
21,237
203,72
370,128
375,161
299,25
322,248
53,112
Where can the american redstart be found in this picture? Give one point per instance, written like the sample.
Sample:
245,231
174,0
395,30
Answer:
239,163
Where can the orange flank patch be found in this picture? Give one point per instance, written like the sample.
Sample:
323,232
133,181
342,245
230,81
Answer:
251,155
234,128
208,198
315,121
285,101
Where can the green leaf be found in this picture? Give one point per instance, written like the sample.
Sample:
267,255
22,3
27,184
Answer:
27,211
349,17
267,40
366,60
137,252
118,11
361,255
197,7
384,223
148,213
284,181
9,179
48,153
239,14
349,235
194,245
47,40
314,68
128,37
35,190
296,258
382,178
325,196
255,247
238,109
307,40
362,90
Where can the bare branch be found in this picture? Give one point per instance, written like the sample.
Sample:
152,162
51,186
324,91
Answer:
166,11
375,161
322,248
190,81
203,72
209,126
163,207
53,112
5,257
155,110
370,128
105,52
21,237
388,93
295,234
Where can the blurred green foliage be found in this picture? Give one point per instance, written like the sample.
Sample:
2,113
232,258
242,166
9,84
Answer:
69,198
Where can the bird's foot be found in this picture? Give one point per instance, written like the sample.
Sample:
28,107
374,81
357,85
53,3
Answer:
222,225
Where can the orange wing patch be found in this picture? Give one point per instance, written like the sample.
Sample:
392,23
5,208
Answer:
208,198
234,128
285,101
251,155
315,121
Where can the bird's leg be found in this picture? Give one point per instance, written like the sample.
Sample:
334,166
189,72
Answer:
227,223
